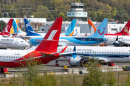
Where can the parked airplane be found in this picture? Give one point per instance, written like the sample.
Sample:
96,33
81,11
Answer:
45,52
17,43
6,30
118,39
124,31
103,54
95,39
123,37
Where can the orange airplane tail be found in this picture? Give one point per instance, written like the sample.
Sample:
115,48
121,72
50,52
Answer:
90,23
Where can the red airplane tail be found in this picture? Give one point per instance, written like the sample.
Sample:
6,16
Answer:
51,39
125,30
6,30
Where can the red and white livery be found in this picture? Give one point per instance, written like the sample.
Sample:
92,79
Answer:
45,52
6,30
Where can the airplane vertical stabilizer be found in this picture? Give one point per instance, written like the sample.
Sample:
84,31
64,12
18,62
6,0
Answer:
50,41
125,30
100,32
15,26
6,30
12,29
19,30
70,29
90,23
29,29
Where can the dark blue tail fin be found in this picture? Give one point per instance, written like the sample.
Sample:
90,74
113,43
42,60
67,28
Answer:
70,29
29,29
100,32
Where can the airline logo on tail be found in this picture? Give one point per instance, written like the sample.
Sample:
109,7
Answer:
126,30
51,39
52,35
6,28
102,32
27,25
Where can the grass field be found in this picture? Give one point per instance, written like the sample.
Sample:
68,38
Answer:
60,80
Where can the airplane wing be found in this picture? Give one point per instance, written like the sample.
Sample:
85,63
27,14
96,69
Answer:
124,43
45,54
66,54
60,54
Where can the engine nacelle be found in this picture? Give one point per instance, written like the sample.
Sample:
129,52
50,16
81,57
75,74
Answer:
116,44
77,61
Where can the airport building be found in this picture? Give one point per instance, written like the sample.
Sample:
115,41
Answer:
77,12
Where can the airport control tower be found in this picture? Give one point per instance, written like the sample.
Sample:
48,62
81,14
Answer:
76,11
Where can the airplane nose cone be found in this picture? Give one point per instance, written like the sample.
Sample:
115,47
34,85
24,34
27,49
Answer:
26,44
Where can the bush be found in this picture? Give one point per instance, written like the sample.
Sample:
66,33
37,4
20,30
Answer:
2,25
124,68
111,80
127,81
95,76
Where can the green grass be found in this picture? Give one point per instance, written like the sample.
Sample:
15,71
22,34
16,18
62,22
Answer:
58,80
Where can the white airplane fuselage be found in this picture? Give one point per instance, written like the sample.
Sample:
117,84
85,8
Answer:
8,58
13,43
111,39
105,54
12,55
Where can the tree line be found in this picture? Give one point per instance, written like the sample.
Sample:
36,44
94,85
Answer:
50,9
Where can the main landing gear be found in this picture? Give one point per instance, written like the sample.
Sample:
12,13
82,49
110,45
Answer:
111,64
4,70
56,64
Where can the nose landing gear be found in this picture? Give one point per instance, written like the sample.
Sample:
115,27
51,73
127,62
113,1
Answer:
56,64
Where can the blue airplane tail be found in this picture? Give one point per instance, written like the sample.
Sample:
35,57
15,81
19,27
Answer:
19,30
29,29
70,29
15,26
100,32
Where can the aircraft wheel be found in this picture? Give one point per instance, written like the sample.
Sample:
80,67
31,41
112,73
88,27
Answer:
56,65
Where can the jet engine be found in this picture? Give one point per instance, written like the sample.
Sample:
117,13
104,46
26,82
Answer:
77,61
